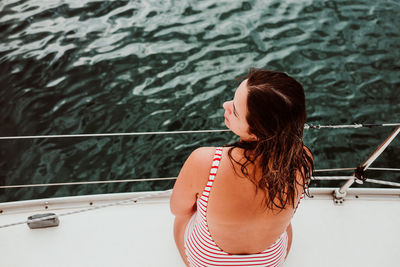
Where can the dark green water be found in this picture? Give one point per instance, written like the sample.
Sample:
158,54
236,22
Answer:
128,66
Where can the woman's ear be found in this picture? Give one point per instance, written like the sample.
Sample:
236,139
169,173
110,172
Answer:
253,137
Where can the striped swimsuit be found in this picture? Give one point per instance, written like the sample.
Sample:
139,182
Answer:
200,248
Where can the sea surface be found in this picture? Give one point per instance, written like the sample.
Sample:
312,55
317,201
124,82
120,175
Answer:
83,66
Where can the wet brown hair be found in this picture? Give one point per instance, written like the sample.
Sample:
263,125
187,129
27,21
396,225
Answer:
276,114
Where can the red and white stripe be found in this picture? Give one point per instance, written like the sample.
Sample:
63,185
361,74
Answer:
201,250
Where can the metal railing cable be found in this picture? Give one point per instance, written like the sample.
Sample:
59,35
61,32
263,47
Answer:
88,182
306,126
352,169
126,201
384,169
330,178
321,178
339,178
382,182
334,170
108,134
359,125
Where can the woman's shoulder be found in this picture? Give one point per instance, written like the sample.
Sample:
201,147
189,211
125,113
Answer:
202,155
200,158
199,162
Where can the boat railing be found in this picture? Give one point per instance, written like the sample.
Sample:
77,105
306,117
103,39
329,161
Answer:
338,195
358,174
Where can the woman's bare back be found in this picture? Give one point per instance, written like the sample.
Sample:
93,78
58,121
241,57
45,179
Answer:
237,218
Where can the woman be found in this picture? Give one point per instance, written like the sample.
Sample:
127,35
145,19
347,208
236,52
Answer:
238,212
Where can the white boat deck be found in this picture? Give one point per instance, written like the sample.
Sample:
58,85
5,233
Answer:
364,231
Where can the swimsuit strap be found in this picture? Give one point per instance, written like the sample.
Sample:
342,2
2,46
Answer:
213,172
301,197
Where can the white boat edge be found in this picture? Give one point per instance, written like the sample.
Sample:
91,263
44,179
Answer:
363,231
154,196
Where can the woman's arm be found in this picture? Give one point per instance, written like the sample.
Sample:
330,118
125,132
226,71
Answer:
191,181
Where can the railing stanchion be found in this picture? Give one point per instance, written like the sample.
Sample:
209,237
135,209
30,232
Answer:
358,175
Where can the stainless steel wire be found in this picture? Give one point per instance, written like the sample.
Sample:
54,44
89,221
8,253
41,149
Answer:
306,126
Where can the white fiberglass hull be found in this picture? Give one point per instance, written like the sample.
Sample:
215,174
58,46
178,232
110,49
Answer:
364,231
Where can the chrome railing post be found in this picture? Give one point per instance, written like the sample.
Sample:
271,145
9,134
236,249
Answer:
358,175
